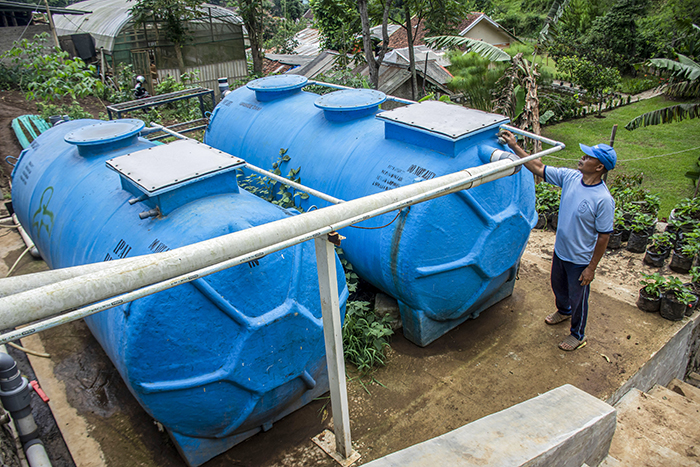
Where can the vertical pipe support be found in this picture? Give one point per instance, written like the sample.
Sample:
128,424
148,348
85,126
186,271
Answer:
333,336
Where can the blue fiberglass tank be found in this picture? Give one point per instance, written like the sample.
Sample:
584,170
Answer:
214,360
444,260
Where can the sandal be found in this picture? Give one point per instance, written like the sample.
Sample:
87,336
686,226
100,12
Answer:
556,318
571,343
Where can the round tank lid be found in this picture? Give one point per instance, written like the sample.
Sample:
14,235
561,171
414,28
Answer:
350,99
278,83
105,132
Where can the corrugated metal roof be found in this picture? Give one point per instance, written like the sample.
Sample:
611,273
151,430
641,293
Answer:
321,64
376,32
401,57
108,17
15,6
309,42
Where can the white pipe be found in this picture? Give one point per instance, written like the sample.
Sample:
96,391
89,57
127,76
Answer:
293,184
16,284
32,305
36,455
264,172
27,240
541,138
340,86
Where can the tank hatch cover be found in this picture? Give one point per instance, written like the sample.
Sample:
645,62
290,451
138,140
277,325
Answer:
453,121
105,132
166,167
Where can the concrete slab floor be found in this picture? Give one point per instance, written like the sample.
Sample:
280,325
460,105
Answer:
504,357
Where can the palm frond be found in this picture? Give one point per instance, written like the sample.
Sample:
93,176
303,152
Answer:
687,69
683,89
484,49
674,113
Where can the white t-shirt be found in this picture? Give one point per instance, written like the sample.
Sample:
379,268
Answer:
584,212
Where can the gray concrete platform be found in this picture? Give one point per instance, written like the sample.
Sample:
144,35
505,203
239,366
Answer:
565,427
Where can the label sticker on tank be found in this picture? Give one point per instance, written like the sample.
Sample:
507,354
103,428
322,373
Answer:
158,247
250,106
43,217
421,172
122,249
26,172
389,178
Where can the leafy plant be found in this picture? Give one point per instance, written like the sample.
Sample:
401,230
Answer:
547,197
599,81
694,274
74,111
653,284
51,76
365,336
687,209
661,241
271,190
674,287
683,83
686,297
619,220
642,222
351,278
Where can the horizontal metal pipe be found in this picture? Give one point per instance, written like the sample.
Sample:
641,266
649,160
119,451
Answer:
293,184
541,138
32,305
167,130
15,284
340,86
266,173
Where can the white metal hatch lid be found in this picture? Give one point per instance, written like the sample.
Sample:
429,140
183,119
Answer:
453,121
163,168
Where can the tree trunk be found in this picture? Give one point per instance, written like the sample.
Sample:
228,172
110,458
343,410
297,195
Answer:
411,55
372,62
180,60
255,52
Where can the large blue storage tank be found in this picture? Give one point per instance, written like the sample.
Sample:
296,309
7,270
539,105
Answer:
215,360
445,260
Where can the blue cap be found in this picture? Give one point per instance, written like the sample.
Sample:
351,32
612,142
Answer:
604,153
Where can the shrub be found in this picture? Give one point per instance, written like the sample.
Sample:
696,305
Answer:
365,336
50,77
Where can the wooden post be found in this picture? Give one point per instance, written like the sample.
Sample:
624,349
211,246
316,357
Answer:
51,25
612,143
332,333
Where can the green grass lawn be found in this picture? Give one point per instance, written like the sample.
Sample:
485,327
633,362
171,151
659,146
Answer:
648,150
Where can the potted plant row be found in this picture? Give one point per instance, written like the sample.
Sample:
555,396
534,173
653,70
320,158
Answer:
669,296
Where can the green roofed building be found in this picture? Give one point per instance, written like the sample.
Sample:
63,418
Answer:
216,46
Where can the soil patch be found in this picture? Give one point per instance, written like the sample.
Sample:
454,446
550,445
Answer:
12,105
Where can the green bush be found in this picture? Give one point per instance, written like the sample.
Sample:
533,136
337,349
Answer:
365,336
51,76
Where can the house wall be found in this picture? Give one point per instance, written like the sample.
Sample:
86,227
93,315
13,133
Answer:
484,31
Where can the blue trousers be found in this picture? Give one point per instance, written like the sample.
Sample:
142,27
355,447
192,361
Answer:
571,296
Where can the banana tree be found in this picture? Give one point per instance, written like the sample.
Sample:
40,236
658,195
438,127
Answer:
518,97
684,83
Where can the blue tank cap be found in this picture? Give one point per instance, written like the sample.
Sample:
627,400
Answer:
274,87
350,104
105,132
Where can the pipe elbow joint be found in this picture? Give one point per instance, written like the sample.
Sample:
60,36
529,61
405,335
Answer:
499,155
